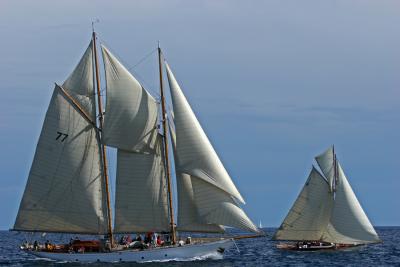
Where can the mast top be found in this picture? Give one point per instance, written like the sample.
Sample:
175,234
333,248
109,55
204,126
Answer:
94,22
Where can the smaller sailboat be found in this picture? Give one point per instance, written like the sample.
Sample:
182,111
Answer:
326,214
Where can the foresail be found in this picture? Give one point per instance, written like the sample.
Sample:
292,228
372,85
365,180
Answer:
215,206
189,219
194,151
141,197
326,164
131,112
310,214
348,224
64,192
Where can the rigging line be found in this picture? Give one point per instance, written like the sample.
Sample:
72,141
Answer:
143,59
130,69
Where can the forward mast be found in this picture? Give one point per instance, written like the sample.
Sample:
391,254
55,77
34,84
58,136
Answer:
103,147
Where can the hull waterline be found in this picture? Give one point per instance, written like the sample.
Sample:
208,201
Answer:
315,247
187,252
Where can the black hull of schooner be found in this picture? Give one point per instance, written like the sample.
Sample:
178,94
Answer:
314,246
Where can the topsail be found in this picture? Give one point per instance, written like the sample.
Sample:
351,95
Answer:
131,112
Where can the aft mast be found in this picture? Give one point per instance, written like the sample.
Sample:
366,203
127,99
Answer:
165,138
103,148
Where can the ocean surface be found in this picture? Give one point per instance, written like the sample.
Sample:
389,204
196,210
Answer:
252,252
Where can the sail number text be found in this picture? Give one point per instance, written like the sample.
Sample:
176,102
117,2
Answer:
61,136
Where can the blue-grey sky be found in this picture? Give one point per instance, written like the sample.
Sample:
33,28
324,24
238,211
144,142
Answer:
273,83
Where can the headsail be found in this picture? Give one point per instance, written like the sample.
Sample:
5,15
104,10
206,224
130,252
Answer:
310,214
214,193
65,191
189,219
131,112
348,224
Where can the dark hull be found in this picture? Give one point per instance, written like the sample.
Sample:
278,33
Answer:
313,247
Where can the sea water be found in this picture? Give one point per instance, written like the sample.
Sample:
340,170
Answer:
249,252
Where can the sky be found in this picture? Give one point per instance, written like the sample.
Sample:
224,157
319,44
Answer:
273,83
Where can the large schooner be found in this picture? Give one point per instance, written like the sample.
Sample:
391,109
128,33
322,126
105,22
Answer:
68,187
326,214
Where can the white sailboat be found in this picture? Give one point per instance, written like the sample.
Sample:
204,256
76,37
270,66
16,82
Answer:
326,214
68,187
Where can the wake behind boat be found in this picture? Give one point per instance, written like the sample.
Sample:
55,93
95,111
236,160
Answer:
326,214
68,187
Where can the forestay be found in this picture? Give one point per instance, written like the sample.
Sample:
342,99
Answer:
188,215
210,188
131,112
65,192
141,196
348,224
310,214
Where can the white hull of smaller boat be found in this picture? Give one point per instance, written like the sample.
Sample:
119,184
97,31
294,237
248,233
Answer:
186,252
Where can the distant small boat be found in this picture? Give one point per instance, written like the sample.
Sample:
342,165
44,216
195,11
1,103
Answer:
260,225
326,214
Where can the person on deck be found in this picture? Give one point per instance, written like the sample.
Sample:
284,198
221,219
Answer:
128,239
160,242
154,239
138,238
147,239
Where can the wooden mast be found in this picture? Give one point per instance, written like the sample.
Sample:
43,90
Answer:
165,138
103,148
335,169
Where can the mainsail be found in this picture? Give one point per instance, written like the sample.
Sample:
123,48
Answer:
322,214
65,191
214,193
141,198
310,214
131,126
